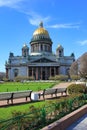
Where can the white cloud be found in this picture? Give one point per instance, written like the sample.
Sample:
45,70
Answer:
9,3
35,19
67,25
84,42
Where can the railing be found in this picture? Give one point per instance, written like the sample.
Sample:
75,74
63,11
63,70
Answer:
38,118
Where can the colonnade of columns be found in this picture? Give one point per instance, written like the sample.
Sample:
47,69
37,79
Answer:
41,47
43,73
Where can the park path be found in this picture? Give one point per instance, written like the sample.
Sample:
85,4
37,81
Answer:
63,84
23,101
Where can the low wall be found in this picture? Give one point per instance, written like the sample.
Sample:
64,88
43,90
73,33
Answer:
67,120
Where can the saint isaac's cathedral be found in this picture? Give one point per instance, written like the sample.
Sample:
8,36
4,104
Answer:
39,62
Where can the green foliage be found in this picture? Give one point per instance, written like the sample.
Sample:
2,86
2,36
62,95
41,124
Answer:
75,77
76,88
61,77
39,117
30,78
17,113
5,79
51,78
22,78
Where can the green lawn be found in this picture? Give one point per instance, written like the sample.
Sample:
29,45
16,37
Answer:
6,112
17,86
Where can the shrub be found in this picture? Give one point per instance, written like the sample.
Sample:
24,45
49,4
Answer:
30,78
75,77
6,79
19,78
61,77
76,88
22,78
51,78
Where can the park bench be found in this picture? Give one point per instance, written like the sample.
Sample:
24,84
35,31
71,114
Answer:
52,91
21,94
49,91
6,96
15,95
62,90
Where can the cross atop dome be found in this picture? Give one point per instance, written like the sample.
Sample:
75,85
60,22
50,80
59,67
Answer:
41,24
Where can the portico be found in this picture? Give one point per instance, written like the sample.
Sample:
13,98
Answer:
42,72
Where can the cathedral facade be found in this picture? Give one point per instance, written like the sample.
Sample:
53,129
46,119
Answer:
39,62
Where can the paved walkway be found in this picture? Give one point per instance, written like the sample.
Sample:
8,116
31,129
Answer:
64,85
80,124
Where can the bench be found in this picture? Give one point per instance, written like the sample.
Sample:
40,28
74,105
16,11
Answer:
52,91
5,96
21,94
62,90
15,95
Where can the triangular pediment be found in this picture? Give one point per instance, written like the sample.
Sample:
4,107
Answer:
43,60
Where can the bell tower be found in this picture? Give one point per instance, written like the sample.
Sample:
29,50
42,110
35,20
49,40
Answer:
25,50
60,51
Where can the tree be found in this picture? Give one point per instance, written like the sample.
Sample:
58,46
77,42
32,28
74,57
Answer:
74,68
83,66
79,67
2,75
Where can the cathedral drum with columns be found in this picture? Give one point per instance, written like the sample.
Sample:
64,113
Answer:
40,63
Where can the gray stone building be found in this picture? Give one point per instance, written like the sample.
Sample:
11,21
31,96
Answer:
39,62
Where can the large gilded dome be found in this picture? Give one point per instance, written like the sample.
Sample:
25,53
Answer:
41,42
41,34
41,31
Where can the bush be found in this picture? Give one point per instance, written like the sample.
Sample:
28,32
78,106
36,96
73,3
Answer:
22,78
76,88
75,77
61,77
51,78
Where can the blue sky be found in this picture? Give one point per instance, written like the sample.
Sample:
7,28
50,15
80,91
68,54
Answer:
65,20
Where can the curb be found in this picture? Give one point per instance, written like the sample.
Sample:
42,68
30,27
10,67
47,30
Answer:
67,120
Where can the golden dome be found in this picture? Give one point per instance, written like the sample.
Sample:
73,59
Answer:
41,31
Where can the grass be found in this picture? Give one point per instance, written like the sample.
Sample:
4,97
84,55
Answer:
17,86
6,112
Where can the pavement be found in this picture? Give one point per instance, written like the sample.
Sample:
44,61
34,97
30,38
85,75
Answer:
80,124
